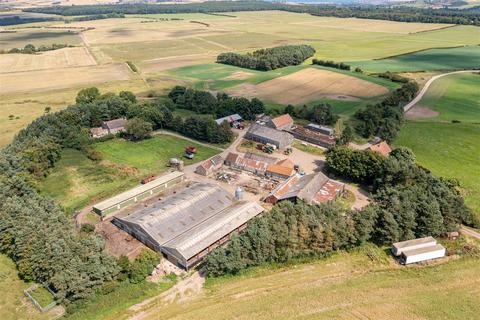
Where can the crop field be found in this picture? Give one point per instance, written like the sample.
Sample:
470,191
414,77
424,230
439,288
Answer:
62,58
37,37
344,286
35,81
428,60
450,149
309,85
76,180
160,48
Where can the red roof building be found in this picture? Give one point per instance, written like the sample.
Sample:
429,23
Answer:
381,147
283,122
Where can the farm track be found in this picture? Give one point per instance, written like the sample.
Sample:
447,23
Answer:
470,232
427,85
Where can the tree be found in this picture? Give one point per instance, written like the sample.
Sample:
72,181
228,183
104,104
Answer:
128,95
290,110
138,129
323,114
346,136
87,95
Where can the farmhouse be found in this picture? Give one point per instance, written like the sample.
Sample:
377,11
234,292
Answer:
127,198
266,135
230,119
209,166
188,225
115,126
418,250
98,132
313,136
381,147
312,188
283,122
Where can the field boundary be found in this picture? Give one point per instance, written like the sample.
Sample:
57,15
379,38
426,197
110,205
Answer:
422,50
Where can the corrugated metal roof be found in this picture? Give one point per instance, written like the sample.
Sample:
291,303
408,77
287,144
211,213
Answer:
414,242
216,227
194,218
116,123
280,170
266,132
137,190
230,118
414,252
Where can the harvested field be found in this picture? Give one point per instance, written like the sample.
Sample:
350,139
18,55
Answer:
161,64
34,81
419,112
62,58
37,37
309,85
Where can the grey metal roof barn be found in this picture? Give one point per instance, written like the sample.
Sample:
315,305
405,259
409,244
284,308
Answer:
266,135
136,194
231,118
188,225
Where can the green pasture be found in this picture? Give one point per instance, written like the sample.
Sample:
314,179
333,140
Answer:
428,60
450,150
455,97
76,180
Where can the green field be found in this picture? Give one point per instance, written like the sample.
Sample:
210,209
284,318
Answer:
450,149
76,180
455,97
428,60
363,284
13,304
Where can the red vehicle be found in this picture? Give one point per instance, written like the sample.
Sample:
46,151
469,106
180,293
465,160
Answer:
147,179
190,149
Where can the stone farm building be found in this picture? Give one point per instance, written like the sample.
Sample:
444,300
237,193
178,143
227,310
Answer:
109,127
234,160
266,135
283,122
209,166
132,196
312,188
261,165
188,225
313,136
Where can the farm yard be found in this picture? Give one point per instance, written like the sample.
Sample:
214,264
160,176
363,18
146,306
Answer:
449,149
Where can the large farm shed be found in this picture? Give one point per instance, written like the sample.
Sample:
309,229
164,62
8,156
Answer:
312,188
263,134
188,225
139,193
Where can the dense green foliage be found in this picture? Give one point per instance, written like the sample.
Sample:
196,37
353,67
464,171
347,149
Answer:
31,49
138,129
136,271
268,59
331,64
385,118
221,105
99,17
405,14
409,202
14,20
320,113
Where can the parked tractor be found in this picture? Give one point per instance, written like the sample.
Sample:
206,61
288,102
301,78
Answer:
190,152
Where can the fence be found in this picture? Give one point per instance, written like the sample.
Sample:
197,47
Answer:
35,302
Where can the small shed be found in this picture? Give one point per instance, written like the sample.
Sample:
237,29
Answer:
115,126
230,119
399,247
423,254
209,166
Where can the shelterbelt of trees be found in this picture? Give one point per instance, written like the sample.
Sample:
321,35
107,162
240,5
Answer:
270,58
409,202
403,14
34,231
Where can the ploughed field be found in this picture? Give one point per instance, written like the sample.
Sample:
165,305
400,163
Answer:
444,130
309,85
161,44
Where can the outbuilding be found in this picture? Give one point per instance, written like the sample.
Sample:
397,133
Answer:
188,225
283,122
266,135
132,196
399,247
115,126
209,166
423,254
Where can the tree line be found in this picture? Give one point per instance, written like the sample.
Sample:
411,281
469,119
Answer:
268,59
401,14
385,118
219,105
332,64
409,202
31,49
